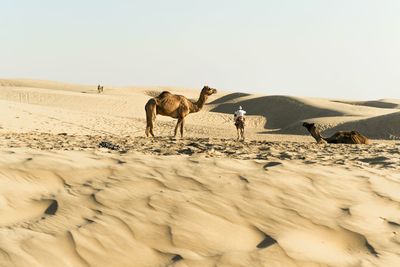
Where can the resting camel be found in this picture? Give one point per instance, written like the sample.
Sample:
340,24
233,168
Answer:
240,128
175,106
352,137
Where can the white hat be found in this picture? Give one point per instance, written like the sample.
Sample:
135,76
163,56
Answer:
240,107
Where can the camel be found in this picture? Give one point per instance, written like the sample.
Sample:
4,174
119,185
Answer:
240,128
341,137
175,106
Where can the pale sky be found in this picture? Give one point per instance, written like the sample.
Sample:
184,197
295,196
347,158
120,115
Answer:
322,48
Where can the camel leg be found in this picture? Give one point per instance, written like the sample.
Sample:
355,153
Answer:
177,126
182,124
242,131
153,121
148,127
238,133
150,116
151,130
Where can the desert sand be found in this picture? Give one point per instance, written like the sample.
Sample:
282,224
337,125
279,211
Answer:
80,185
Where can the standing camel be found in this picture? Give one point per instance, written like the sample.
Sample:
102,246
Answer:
352,137
240,128
175,106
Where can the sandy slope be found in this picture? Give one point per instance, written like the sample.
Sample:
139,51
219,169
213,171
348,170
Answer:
81,186
134,209
286,113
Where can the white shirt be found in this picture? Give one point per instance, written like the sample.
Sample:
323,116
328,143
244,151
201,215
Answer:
240,113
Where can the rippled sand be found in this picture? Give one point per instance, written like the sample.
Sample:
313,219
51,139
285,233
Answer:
81,186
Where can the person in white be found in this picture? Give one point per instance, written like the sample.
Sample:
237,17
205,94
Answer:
239,114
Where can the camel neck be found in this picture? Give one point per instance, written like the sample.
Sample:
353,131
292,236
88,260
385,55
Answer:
317,135
200,103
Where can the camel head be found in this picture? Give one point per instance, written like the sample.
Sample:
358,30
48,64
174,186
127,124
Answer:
309,126
314,132
208,91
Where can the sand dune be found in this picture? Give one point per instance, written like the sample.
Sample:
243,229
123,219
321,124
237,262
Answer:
383,103
81,186
286,113
140,210
121,105
379,127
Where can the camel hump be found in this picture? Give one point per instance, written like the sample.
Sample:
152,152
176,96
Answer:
359,138
163,94
355,132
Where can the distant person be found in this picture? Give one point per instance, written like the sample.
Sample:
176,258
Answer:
99,89
239,115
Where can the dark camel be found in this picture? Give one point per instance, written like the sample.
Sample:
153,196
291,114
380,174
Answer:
352,137
175,106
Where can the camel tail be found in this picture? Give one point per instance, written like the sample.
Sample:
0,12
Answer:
150,107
